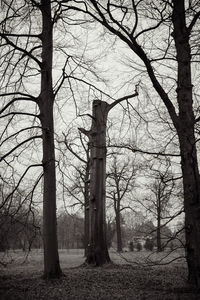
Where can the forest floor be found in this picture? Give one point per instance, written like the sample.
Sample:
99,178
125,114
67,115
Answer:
132,275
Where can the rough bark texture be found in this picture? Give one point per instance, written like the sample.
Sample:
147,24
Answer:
46,100
186,136
86,208
118,231
158,235
97,248
117,199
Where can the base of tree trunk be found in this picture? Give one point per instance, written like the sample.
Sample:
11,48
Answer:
53,274
194,278
95,265
97,257
97,261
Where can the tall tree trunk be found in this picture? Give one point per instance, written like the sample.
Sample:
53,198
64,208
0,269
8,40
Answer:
191,205
46,100
158,235
118,231
187,142
86,208
97,253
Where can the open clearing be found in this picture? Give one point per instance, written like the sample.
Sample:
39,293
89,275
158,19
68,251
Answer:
21,279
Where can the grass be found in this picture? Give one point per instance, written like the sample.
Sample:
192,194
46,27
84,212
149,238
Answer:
131,276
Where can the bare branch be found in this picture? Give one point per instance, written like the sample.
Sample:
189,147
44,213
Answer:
89,115
19,182
110,106
26,53
19,145
18,132
72,151
86,132
135,149
20,113
193,22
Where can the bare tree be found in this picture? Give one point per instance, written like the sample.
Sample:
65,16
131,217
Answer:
34,50
120,182
19,220
70,231
77,185
162,190
178,21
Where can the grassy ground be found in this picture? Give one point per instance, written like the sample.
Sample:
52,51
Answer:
132,276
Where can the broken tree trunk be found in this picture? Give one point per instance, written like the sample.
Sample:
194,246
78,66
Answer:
97,253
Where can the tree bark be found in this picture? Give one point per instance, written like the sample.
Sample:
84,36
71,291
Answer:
97,253
117,199
158,235
118,231
191,206
86,208
187,142
46,100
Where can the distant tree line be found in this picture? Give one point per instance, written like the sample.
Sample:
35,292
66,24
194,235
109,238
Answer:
19,232
21,228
